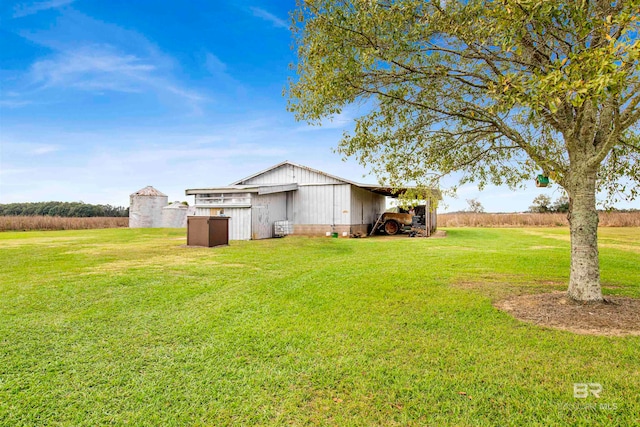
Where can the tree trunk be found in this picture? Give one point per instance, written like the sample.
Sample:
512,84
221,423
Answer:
584,281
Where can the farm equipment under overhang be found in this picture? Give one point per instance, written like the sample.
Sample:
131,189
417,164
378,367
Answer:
403,221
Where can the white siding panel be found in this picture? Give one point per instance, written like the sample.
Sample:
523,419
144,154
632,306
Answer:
309,207
366,206
287,174
265,211
260,223
342,204
291,198
322,204
281,175
239,222
203,212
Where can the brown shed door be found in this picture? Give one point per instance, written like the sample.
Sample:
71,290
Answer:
207,231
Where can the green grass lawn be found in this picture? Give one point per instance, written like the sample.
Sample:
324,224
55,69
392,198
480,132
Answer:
129,327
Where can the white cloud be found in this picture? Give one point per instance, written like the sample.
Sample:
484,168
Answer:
263,14
17,147
92,67
104,175
189,95
16,171
41,149
14,103
25,9
468,190
99,57
220,71
214,65
100,68
106,165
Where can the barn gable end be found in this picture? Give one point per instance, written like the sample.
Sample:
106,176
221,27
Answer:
287,173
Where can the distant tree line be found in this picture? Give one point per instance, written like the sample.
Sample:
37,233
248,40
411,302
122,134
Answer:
62,209
543,204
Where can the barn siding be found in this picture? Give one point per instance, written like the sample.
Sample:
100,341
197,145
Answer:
322,204
342,206
291,205
366,206
287,174
265,210
239,222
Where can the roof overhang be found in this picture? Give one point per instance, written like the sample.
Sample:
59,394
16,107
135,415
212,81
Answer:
281,188
259,189
397,192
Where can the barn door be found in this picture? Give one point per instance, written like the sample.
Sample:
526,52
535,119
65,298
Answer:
260,224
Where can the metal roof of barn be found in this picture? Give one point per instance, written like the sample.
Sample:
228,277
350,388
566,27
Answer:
237,187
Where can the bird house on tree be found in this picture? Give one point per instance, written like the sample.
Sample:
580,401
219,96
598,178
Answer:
542,181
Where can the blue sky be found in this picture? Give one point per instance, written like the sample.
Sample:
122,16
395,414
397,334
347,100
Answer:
99,99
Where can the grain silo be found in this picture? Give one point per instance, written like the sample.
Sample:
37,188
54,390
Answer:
175,215
145,208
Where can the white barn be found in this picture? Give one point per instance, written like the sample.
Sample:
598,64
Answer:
313,202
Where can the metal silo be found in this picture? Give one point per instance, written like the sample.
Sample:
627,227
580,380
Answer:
145,208
174,215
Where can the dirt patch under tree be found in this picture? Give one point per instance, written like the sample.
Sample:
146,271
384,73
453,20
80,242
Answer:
617,316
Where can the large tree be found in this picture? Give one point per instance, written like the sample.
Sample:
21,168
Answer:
498,91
